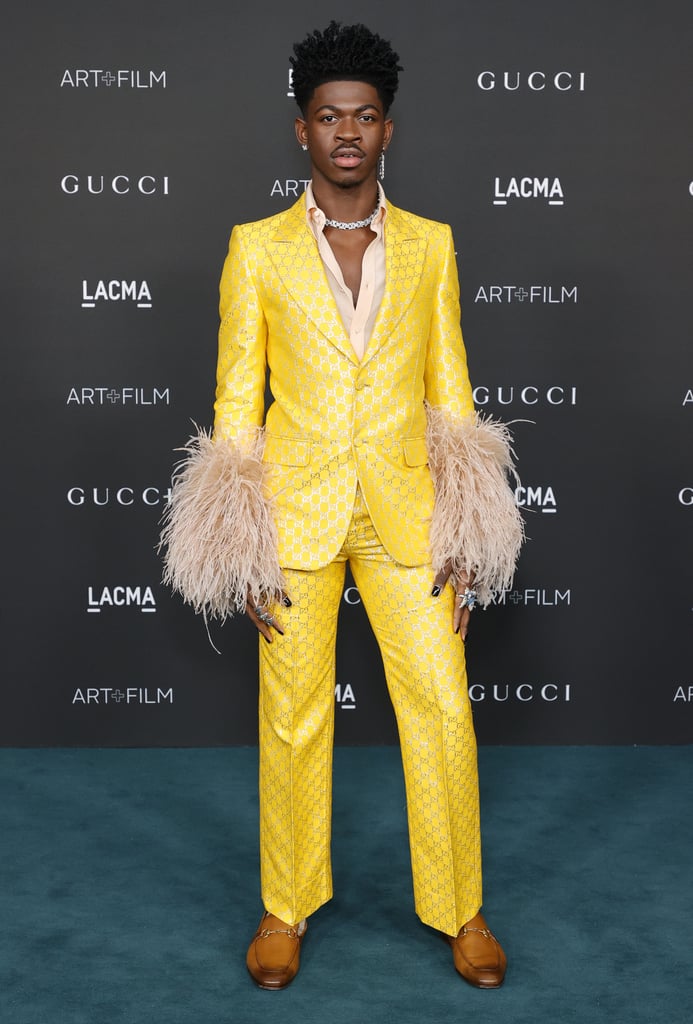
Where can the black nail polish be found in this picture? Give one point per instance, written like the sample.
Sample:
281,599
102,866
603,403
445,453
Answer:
436,591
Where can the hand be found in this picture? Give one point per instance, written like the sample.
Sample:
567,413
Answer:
265,622
460,581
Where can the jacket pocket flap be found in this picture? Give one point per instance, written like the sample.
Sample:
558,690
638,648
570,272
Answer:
415,451
286,451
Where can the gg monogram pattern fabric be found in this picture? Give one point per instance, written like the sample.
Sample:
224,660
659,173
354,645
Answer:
426,677
348,478
334,419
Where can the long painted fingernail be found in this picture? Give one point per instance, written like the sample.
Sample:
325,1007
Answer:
436,591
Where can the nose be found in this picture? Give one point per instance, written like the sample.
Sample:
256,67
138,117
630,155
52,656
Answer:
349,130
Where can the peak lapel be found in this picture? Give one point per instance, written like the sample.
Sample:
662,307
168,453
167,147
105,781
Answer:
296,259
405,251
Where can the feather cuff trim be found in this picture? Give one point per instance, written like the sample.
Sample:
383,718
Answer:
476,524
218,532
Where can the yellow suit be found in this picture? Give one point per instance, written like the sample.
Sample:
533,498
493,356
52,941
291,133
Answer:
338,470
335,420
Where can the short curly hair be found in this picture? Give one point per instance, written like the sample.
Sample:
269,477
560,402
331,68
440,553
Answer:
344,53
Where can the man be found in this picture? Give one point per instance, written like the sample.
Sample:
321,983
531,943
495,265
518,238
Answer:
370,454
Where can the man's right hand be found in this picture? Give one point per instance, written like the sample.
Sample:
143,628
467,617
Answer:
263,619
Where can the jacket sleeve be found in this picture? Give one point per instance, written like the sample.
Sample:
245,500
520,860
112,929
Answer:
219,535
476,525
240,395
446,378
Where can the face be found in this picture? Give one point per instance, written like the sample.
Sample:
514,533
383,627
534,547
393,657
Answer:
345,130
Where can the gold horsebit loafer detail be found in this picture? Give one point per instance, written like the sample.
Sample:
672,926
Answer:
478,955
274,954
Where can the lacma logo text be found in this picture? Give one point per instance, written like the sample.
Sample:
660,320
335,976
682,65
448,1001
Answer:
136,292
528,188
141,598
344,696
541,498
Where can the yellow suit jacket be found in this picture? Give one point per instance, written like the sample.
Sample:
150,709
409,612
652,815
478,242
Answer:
334,420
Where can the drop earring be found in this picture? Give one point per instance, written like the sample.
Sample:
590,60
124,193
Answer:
381,165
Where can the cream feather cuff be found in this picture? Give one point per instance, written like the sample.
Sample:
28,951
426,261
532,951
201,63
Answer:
476,524
218,532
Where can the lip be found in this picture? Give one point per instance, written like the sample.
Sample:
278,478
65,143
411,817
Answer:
348,161
348,157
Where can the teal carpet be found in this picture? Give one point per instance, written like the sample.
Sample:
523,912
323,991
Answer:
128,891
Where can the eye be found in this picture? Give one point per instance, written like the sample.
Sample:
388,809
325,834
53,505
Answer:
328,118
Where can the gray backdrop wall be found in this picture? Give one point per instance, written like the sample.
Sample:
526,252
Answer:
555,138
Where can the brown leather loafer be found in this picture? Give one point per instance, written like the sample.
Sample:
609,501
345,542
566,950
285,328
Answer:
478,955
274,953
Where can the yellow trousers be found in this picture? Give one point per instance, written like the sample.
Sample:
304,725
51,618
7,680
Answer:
426,677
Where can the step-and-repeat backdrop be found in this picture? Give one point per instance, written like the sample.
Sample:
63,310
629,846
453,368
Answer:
555,138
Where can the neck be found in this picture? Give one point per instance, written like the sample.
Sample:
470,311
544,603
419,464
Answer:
346,204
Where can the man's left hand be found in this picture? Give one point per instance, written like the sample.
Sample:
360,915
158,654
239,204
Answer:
460,616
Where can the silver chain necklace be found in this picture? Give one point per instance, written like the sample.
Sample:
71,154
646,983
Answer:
351,225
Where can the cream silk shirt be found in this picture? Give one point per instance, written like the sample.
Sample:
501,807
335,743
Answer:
358,319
